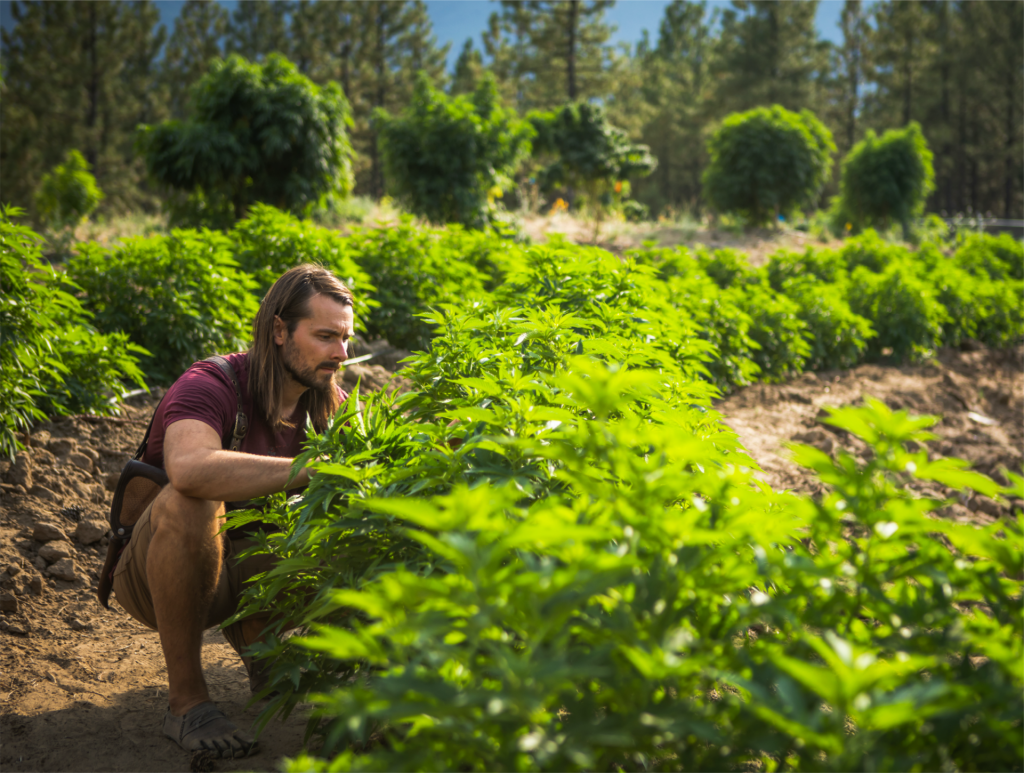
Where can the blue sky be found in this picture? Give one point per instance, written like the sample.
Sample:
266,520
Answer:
456,20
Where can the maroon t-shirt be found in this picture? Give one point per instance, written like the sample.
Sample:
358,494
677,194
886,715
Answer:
204,393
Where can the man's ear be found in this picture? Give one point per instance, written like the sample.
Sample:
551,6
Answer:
280,330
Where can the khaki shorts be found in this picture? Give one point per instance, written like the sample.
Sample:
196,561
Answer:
131,584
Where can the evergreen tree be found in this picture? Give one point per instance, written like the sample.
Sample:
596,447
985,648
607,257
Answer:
902,51
259,28
677,81
198,36
398,43
469,68
769,53
78,76
851,75
556,50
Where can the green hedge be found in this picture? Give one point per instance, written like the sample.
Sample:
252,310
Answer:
552,556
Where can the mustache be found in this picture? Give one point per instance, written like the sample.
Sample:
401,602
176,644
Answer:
332,365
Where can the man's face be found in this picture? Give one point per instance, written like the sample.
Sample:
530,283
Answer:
314,351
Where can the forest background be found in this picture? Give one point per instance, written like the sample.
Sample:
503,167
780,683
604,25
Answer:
85,75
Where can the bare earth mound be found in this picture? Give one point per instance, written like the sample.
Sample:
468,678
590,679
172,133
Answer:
84,689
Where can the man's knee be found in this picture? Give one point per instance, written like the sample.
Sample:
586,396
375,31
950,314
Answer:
184,516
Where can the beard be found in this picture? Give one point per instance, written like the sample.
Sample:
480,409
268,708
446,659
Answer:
309,377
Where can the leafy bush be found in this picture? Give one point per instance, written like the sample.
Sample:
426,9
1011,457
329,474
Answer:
873,252
886,180
826,266
68,193
52,359
447,158
259,132
181,296
767,162
901,307
413,270
835,335
579,149
544,559
998,258
269,242
777,330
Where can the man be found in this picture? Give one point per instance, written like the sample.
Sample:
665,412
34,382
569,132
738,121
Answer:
177,575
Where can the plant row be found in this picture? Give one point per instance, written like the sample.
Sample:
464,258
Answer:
180,297
551,555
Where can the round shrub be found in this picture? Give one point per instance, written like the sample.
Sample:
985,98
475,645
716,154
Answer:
827,266
886,179
996,257
767,162
68,193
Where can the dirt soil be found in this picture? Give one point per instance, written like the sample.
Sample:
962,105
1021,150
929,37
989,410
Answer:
84,689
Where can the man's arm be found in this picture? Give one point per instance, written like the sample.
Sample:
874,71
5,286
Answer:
198,467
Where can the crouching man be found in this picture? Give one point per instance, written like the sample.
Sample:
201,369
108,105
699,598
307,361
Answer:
177,574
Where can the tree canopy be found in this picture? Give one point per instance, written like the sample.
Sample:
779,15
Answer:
258,132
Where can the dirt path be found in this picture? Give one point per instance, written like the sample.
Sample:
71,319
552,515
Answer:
84,689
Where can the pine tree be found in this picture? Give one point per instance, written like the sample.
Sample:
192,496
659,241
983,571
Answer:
197,39
769,53
902,52
258,28
676,83
851,74
469,68
557,51
79,76
399,42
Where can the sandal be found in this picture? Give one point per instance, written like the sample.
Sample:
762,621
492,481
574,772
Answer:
205,728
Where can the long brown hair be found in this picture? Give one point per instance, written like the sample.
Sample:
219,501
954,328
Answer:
288,299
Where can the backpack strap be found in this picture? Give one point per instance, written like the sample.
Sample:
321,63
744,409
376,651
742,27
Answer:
241,420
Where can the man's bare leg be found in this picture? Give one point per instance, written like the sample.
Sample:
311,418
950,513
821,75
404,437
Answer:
182,567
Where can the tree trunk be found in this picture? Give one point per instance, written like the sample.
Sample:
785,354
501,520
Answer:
574,17
93,88
376,174
908,77
1011,131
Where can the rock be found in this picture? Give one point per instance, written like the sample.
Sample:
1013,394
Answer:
20,473
90,531
8,603
795,396
90,452
81,460
63,570
62,446
39,563
41,492
78,624
35,584
18,629
52,552
110,482
43,458
39,439
988,506
817,438
13,570
43,531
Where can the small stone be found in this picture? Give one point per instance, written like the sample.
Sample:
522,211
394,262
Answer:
79,625
91,531
41,492
110,482
8,603
14,570
39,439
17,629
21,473
80,460
43,531
35,584
63,570
52,552
62,446
90,452
817,438
988,506
39,563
